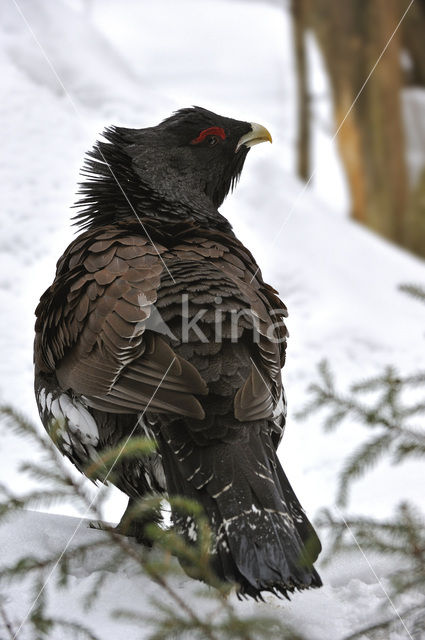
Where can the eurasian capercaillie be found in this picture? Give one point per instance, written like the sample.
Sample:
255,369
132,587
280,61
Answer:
137,333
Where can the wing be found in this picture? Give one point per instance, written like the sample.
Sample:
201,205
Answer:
91,329
262,394
215,264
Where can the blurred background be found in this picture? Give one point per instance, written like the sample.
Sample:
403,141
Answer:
334,210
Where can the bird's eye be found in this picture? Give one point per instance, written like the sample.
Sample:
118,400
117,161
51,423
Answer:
211,136
212,140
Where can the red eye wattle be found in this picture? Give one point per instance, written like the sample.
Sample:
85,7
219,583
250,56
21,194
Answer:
211,131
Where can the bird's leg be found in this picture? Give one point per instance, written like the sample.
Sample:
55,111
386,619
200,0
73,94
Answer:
133,524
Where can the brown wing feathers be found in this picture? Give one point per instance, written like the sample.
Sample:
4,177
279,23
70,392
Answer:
93,329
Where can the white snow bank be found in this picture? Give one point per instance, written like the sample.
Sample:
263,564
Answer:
59,48
348,600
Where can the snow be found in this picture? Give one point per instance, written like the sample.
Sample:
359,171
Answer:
132,63
347,601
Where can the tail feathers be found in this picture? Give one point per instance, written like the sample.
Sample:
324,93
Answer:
263,552
306,531
263,540
263,528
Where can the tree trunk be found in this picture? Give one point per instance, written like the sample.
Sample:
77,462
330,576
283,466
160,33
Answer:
298,9
352,35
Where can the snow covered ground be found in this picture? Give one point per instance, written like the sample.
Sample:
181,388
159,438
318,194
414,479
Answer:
132,63
348,600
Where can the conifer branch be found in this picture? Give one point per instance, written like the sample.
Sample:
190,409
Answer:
389,413
117,548
391,405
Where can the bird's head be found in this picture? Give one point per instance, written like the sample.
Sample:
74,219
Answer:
199,150
192,158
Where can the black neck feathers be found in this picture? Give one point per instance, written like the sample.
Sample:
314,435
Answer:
113,191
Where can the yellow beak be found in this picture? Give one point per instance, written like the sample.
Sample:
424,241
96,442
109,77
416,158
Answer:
257,135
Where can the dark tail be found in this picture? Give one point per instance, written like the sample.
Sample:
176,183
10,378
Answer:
264,541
